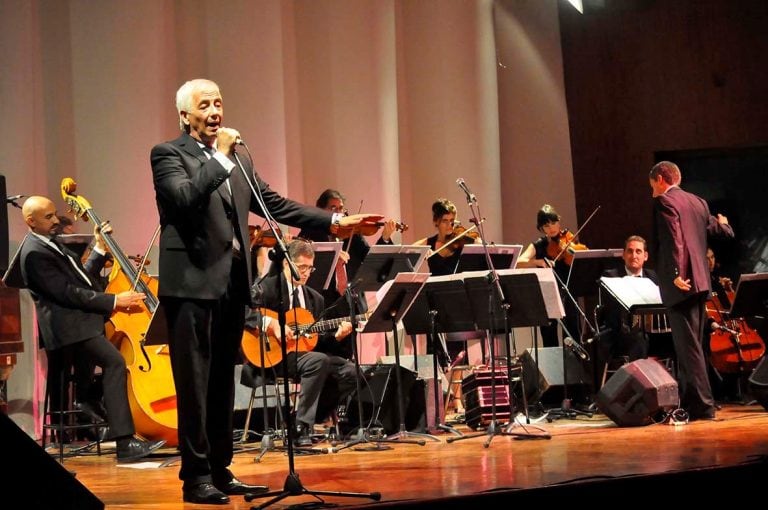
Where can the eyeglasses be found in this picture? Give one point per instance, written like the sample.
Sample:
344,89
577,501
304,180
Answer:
303,267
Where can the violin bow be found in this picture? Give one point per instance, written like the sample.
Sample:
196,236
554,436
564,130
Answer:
576,234
143,263
467,231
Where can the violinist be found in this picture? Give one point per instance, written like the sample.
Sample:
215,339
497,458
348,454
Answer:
443,261
446,245
355,248
541,253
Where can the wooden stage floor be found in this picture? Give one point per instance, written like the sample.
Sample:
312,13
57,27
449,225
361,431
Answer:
580,451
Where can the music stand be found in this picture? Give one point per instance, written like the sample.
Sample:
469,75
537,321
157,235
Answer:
503,256
326,256
634,295
751,296
524,307
394,300
442,306
12,276
383,262
587,267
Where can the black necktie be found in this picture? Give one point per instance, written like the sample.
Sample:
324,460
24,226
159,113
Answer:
209,150
296,302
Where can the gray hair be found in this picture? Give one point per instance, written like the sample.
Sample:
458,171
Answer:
184,96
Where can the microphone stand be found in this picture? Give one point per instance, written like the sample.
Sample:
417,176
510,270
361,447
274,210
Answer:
267,439
292,485
496,300
566,410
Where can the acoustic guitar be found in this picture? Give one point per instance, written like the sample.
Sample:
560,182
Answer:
301,321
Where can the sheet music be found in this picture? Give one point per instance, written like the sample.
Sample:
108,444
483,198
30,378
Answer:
401,278
633,292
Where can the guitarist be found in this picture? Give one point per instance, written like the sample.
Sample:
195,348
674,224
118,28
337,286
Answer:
326,380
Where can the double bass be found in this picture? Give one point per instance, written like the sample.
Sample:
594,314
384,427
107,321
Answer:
151,391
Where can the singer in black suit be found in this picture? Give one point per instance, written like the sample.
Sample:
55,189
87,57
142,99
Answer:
681,228
72,308
326,380
203,199
624,334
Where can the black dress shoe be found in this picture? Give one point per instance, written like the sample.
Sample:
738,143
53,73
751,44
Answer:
302,437
235,487
132,449
204,493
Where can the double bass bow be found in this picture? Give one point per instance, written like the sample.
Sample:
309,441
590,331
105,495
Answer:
151,391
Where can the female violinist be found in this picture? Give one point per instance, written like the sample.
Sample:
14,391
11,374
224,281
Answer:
446,249
542,253
450,238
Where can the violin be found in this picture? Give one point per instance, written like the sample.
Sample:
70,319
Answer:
366,229
563,247
262,238
456,240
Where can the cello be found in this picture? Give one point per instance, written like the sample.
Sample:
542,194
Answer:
151,391
734,346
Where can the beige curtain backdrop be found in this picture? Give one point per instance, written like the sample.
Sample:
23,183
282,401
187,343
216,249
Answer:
388,101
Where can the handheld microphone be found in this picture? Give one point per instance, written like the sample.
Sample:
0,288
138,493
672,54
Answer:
576,348
471,198
239,141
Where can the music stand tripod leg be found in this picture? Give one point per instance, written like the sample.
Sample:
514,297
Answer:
439,426
566,409
402,434
362,434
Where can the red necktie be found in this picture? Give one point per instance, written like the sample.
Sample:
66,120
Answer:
341,278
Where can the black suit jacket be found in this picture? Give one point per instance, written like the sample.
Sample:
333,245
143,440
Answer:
197,213
69,310
681,228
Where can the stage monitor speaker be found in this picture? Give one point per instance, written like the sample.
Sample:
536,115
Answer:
379,397
758,383
638,391
548,387
39,481
3,228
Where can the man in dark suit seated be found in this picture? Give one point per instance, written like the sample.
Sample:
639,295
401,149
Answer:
625,334
71,310
326,380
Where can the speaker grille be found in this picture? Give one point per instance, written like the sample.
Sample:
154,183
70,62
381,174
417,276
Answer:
636,392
